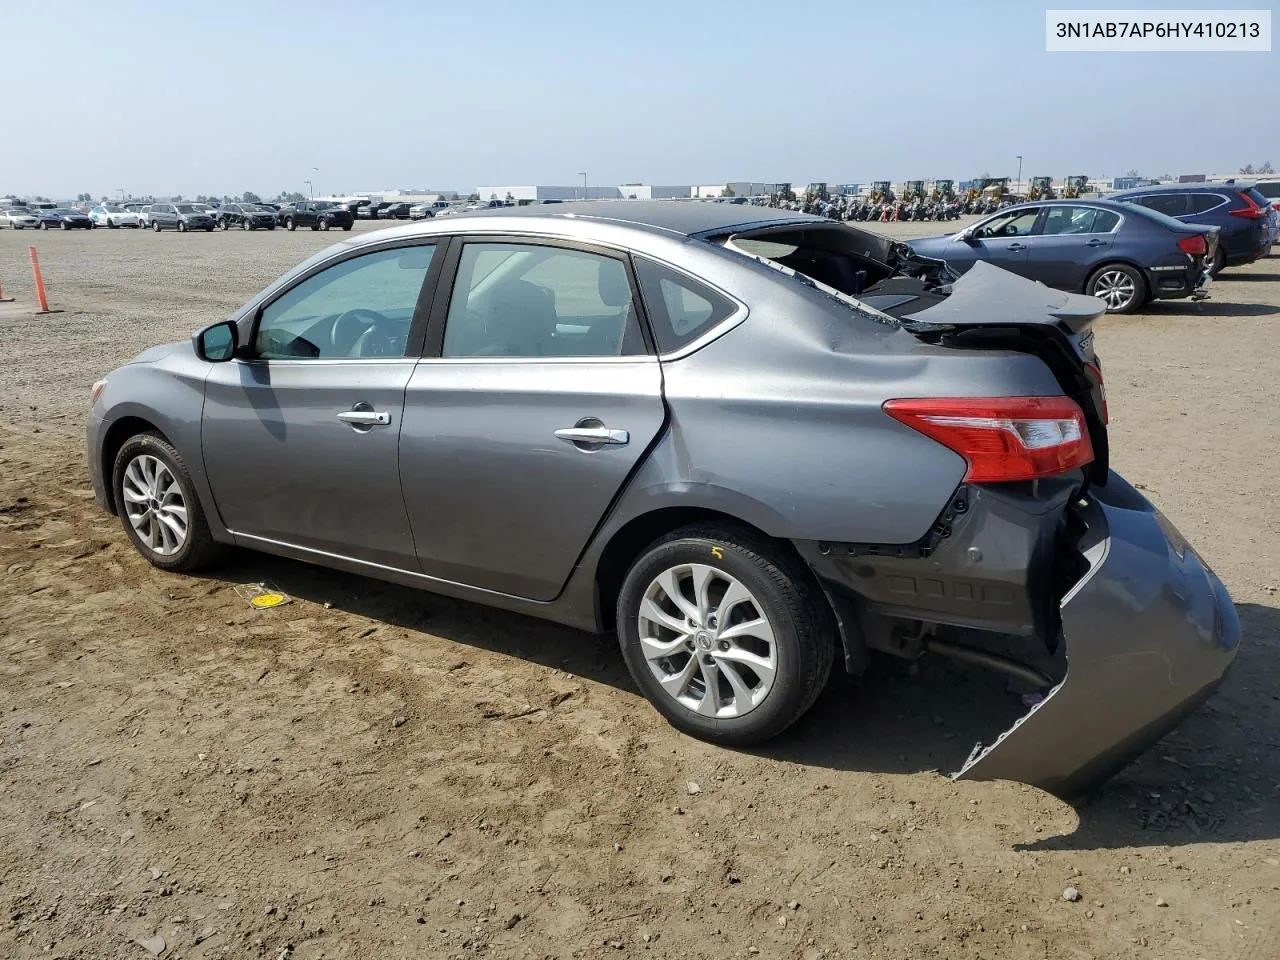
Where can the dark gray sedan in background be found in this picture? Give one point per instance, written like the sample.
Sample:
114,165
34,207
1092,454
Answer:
748,441
1124,254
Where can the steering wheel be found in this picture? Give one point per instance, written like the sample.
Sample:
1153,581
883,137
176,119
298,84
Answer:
362,333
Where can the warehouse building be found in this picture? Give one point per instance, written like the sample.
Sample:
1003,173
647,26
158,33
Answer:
529,193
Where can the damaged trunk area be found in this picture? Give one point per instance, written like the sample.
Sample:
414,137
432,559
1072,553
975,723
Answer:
1106,625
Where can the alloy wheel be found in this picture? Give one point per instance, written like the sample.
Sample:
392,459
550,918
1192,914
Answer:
1116,288
707,641
154,504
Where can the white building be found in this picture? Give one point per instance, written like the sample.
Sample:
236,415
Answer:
530,193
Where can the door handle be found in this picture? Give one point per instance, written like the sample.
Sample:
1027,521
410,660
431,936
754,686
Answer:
599,434
365,418
1017,246
1095,243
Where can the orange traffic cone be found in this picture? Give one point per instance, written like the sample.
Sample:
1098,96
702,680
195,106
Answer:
39,281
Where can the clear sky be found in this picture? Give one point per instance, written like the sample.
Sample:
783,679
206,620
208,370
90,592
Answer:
222,97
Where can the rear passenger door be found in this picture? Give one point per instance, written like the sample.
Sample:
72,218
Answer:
536,399
1071,241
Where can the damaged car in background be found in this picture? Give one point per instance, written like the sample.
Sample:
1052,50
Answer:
751,443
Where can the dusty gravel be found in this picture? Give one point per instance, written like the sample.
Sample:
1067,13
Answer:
373,772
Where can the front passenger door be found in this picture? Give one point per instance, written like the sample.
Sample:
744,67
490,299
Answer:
1001,240
300,432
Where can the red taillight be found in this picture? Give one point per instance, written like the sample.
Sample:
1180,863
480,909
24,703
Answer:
1003,438
1095,371
1252,211
1195,246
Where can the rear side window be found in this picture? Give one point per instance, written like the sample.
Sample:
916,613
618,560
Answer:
680,308
1170,204
1203,202
1269,190
1060,220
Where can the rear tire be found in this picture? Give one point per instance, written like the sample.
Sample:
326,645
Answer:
158,483
224,224
1121,287
182,226
155,225
768,653
290,224
245,224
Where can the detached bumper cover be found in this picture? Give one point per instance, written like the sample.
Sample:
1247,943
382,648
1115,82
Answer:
1149,632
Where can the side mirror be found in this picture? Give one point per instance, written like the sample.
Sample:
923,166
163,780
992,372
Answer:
218,343
966,235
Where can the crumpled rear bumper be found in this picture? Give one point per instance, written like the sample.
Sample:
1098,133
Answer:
1149,632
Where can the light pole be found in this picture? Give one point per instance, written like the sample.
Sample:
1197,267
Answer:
120,190
1019,190
584,184
310,189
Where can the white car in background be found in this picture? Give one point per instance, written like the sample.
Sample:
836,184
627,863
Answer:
112,215
19,219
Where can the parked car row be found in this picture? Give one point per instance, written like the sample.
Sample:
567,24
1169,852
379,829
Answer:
45,218
183,216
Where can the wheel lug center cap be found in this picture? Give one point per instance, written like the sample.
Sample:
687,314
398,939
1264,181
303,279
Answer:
702,639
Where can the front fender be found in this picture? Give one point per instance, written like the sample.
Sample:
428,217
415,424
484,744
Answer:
169,395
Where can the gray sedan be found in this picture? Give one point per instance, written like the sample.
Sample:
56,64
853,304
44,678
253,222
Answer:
749,442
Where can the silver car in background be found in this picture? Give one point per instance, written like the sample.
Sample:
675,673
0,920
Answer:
749,442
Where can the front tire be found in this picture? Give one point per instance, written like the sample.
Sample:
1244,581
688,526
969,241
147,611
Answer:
1121,287
225,224
182,226
1219,262
725,633
291,224
155,225
158,506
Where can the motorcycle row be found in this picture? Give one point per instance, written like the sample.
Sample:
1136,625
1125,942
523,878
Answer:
874,208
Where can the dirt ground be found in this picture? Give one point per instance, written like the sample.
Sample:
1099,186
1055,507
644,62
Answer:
371,772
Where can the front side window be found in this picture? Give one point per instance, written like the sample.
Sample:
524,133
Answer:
1015,223
525,300
680,308
360,308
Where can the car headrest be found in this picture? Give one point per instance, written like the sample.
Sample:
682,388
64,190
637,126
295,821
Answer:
611,279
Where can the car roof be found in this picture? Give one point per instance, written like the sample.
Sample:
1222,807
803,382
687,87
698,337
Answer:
1235,186
691,218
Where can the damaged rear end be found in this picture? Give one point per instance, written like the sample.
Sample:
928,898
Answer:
1045,564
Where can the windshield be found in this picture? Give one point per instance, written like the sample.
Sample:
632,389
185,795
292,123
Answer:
323,205
64,212
252,207
113,208
187,208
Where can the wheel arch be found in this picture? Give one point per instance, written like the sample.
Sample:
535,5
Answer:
113,439
630,540
1112,262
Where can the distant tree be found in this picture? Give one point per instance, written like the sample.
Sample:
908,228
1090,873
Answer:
1166,176
250,197
1266,167
201,198
1247,169
293,197
728,191
177,198
509,196
473,196
493,196
1132,172
83,198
